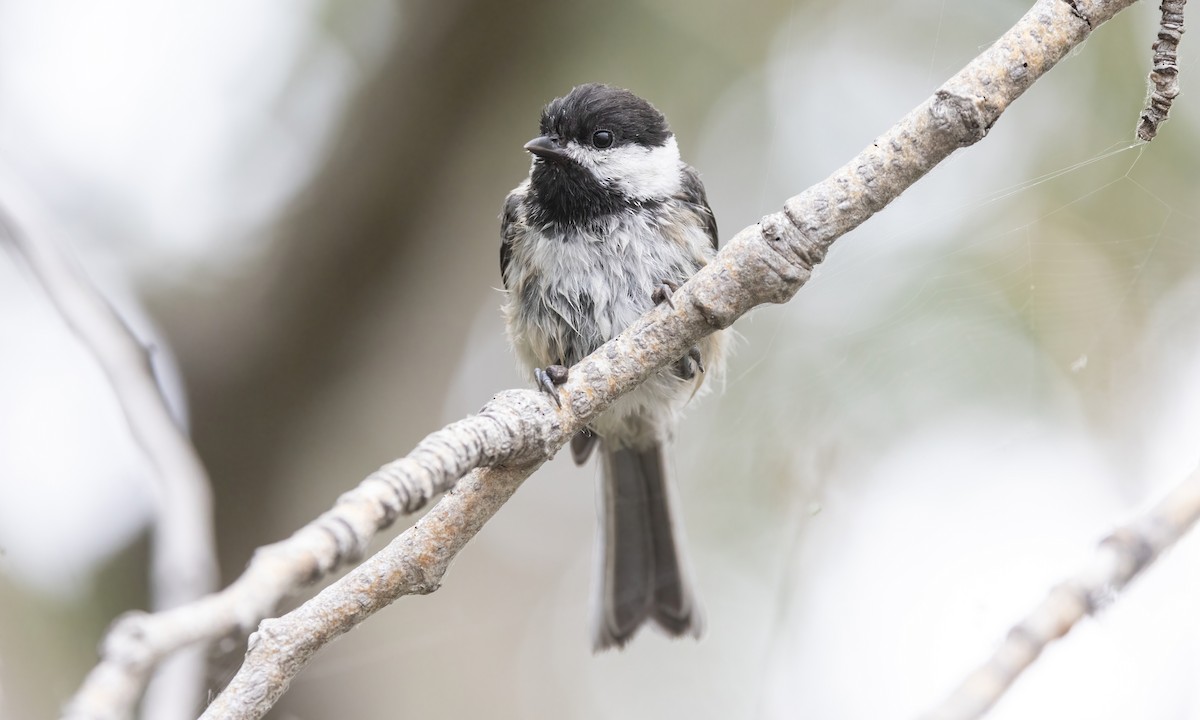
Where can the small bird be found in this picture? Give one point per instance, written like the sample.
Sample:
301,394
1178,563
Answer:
609,223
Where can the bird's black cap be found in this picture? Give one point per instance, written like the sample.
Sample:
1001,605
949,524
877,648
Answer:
594,106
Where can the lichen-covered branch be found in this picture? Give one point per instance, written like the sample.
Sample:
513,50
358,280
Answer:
1120,557
1164,75
183,551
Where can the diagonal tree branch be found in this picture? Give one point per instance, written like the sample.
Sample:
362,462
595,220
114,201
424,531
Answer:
412,564
1121,557
183,552
765,263
514,426
517,430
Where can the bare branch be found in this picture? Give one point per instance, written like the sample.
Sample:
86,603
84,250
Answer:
1120,557
765,263
514,425
412,564
1164,76
183,552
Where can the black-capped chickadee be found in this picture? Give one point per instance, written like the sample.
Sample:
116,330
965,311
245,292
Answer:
608,223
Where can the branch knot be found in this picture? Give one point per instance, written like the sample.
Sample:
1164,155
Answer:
791,258
960,116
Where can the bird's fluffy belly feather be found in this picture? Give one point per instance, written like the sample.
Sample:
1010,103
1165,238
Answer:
588,287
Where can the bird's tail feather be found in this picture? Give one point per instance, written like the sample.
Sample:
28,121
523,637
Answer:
643,573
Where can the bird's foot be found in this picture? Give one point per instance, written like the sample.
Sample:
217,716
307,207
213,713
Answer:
687,365
663,292
549,378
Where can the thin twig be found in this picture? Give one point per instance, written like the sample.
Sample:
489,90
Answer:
1164,76
1119,558
183,551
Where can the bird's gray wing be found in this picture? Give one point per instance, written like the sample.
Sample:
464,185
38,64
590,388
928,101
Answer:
510,226
692,194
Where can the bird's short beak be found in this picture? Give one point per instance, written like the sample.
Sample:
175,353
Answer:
546,147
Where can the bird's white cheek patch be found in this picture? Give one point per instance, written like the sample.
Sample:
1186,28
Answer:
638,172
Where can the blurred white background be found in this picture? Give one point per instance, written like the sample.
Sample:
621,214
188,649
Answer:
298,202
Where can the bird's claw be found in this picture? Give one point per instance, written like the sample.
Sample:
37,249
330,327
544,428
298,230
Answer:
687,365
663,292
548,380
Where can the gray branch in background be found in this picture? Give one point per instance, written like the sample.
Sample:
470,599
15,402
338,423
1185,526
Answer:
1120,557
183,551
1164,76
765,263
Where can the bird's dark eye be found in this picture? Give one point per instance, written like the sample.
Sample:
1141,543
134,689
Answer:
602,139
